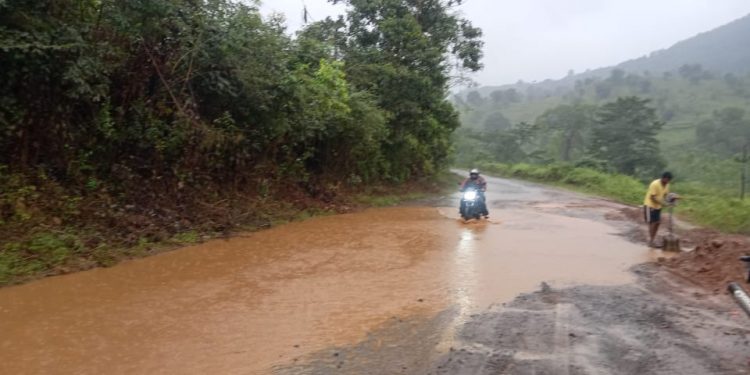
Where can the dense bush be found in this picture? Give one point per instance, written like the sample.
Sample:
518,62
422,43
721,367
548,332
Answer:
207,91
138,119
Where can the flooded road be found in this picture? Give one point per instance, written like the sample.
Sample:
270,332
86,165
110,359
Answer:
272,301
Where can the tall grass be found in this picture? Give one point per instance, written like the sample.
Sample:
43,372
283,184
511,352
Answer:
701,205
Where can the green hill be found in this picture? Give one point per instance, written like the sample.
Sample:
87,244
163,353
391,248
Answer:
696,88
724,49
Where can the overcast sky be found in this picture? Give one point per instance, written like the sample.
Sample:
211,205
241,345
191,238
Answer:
539,39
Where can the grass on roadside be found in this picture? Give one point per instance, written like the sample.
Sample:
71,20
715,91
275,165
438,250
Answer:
701,205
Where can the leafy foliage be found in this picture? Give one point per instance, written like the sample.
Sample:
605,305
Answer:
150,107
727,133
568,128
196,89
701,139
624,136
619,136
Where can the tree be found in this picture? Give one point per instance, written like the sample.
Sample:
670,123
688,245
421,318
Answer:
404,52
568,126
513,96
496,121
735,83
474,98
694,73
617,77
624,136
728,133
498,96
603,89
505,96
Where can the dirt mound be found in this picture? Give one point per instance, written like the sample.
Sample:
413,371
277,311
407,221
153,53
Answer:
713,264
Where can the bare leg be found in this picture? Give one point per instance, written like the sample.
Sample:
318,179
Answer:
653,228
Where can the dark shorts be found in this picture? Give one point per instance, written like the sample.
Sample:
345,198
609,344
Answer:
651,215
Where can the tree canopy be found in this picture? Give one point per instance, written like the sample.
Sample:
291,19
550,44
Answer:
210,91
624,136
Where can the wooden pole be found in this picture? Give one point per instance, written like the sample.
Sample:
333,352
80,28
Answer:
744,172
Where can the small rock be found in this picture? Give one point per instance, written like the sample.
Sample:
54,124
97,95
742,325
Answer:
296,346
420,300
335,354
717,244
572,334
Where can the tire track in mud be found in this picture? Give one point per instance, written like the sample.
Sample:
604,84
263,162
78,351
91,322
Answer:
600,330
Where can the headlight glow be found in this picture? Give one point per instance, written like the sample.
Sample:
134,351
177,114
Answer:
470,195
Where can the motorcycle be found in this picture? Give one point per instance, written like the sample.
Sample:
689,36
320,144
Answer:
472,204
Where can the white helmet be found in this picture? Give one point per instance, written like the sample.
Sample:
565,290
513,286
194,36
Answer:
474,171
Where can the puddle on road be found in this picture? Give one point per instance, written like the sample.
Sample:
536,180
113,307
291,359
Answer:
266,299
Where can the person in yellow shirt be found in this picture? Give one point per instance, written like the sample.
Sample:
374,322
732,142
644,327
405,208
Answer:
656,198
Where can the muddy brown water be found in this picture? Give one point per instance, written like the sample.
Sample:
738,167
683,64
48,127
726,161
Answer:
264,300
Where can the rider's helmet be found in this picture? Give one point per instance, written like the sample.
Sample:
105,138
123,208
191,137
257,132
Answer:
474,174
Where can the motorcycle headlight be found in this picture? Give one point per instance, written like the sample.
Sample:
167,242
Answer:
470,195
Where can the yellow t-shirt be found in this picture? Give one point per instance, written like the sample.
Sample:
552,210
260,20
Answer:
660,191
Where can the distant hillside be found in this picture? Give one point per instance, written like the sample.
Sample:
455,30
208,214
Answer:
699,88
725,49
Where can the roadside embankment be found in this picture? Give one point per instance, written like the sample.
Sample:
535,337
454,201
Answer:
47,229
713,264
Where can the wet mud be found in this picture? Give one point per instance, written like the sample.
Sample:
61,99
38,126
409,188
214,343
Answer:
600,330
394,290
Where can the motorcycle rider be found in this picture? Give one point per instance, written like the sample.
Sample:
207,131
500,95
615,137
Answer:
477,182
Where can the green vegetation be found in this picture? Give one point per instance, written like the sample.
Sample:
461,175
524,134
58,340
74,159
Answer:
680,116
131,123
40,252
384,196
692,125
703,114
701,205
619,136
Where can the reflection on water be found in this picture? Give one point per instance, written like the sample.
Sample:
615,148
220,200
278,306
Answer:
464,267
463,272
250,303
